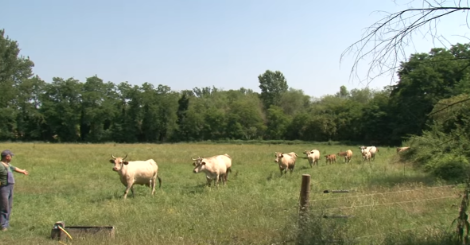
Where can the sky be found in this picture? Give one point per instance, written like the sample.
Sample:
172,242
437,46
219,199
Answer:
202,43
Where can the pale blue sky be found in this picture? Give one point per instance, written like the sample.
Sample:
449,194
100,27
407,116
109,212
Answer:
187,44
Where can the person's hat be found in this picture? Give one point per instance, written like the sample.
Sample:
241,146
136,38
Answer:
7,152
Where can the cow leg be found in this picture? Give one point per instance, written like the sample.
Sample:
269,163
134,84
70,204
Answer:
129,186
152,185
217,180
226,174
223,178
132,190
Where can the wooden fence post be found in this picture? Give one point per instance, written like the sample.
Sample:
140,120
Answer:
304,194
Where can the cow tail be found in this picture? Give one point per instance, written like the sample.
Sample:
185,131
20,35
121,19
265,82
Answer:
159,182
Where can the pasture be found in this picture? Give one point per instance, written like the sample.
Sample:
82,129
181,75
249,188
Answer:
388,204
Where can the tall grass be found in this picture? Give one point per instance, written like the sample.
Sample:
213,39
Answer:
75,183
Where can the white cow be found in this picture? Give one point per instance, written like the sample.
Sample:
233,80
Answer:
372,149
136,172
286,161
214,167
228,164
313,156
366,155
404,148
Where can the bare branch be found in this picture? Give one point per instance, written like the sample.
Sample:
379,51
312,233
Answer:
448,106
385,41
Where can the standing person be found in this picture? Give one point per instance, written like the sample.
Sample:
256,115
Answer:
6,187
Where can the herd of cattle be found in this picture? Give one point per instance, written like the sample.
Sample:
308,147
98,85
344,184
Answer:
216,168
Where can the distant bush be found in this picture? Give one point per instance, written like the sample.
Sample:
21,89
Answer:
450,167
442,154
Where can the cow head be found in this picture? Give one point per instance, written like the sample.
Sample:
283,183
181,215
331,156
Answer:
199,165
278,156
118,162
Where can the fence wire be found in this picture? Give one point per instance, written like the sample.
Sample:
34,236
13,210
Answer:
378,193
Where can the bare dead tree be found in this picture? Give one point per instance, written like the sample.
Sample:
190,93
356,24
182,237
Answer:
385,40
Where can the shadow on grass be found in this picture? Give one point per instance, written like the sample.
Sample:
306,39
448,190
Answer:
410,238
115,196
195,189
390,181
314,229
277,175
304,167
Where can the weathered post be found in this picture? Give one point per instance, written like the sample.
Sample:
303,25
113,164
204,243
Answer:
304,195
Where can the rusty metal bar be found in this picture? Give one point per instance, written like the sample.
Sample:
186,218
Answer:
336,191
337,216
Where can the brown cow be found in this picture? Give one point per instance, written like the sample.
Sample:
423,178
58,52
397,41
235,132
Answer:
330,158
347,155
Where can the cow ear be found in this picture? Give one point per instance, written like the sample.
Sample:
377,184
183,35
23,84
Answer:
111,161
203,163
125,162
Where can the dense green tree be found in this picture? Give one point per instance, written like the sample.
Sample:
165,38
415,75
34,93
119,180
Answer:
294,101
14,70
127,126
167,112
424,80
194,123
377,120
273,85
150,113
343,92
215,123
30,122
453,114
362,96
245,119
297,129
99,108
277,123
61,105
181,114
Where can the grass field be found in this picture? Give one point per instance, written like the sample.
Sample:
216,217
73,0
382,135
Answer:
389,202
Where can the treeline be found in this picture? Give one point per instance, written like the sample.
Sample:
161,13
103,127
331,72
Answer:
68,110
